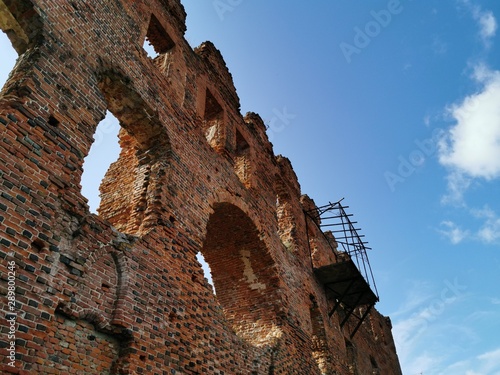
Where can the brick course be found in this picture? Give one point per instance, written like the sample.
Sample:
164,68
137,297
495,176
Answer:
122,292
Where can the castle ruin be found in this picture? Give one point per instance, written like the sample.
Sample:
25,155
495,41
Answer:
122,292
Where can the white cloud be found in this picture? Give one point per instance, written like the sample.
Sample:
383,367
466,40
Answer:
472,145
453,232
470,149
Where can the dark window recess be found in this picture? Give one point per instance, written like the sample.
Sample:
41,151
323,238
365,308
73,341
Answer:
213,110
213,116
241,144
158,38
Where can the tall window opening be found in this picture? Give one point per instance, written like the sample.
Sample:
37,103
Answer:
9,57
207,272
375,368
243,272
104,151
132,191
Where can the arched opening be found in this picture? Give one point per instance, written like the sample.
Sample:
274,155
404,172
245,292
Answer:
132,189
243,273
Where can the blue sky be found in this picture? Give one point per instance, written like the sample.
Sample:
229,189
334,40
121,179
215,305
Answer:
394,105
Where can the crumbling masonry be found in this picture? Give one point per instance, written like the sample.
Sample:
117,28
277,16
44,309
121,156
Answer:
122,292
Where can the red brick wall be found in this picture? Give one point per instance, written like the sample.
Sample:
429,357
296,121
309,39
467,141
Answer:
122,292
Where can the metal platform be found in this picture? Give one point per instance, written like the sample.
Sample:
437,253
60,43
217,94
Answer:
345,281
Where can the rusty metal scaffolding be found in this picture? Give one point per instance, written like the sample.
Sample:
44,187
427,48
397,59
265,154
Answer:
349,281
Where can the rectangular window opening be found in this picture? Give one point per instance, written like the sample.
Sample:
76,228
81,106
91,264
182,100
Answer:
157,41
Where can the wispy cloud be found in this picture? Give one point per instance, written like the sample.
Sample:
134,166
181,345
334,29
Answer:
408,335
453,232
418,293
488,24
491,360
486,363
439,47
487,232
417,324
490,230
457,185
486,21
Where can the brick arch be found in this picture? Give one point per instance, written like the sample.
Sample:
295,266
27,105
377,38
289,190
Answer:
131,192
119,316
244,274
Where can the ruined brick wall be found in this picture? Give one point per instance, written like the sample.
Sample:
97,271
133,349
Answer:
122,292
